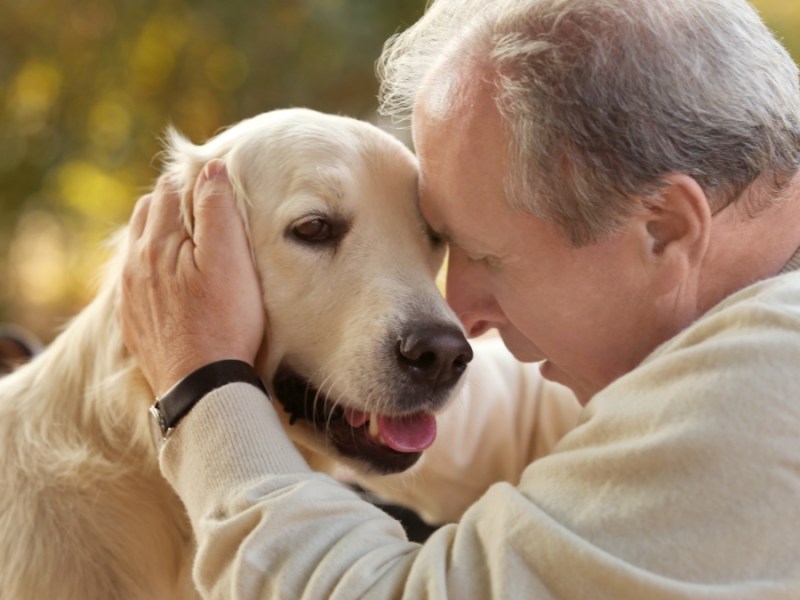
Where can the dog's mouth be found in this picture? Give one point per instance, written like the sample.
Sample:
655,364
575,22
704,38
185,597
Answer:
383,443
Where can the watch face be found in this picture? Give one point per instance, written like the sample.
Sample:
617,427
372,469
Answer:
158,427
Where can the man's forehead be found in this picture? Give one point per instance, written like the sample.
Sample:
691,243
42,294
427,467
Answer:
453,83
441,93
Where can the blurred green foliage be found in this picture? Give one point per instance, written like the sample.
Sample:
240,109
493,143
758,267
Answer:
88,86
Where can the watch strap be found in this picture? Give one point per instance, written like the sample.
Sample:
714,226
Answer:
181,398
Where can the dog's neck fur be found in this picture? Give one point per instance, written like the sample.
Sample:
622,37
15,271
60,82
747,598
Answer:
81,407
88,360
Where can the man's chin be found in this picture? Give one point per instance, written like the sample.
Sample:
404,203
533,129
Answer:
523,351
551,372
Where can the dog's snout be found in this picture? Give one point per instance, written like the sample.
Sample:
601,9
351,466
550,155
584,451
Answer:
434,354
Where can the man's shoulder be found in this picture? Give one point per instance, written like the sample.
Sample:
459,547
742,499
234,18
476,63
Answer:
743,350
761,318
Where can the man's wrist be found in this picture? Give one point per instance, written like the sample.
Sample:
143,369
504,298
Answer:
172,406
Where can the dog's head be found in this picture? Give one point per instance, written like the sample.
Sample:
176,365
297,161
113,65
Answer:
361,349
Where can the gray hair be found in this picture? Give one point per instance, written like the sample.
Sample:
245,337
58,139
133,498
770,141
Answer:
603,98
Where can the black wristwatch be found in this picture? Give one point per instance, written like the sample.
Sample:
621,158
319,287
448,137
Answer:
169,409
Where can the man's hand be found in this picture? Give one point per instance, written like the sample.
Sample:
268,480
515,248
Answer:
188,301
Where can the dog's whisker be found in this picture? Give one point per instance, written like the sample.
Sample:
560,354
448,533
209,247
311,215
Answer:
321,395
335,403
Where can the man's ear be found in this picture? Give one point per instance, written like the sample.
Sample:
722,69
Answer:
680,218
677,225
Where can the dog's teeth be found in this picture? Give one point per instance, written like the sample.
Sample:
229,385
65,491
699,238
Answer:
373,426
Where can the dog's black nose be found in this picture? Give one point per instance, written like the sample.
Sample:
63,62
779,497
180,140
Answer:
434,354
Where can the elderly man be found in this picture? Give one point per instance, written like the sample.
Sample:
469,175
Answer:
618,183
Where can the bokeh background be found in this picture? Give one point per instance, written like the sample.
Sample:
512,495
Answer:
87,87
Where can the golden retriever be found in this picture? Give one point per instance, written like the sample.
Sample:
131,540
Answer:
362,351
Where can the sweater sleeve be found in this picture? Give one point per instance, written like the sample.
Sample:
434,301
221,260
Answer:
268,527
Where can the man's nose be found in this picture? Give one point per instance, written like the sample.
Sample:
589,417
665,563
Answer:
469,294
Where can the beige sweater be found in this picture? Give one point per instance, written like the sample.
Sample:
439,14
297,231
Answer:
680,480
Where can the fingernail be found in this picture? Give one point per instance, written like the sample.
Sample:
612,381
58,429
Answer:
213,180
215,169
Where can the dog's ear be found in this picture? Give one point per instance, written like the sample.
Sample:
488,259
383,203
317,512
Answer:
183,162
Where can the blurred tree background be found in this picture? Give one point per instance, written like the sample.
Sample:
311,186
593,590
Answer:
88,86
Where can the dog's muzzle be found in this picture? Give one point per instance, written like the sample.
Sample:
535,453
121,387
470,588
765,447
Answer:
427,360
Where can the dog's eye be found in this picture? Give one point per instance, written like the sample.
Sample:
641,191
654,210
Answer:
313,230
319,230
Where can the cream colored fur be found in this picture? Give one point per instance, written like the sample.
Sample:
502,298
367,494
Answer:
84,511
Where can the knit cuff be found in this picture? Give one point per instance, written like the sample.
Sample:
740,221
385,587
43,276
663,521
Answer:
230,438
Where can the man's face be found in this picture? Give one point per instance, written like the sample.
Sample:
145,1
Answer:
583,311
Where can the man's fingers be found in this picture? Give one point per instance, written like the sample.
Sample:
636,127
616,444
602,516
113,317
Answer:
218,226
212,180
165,211
139,217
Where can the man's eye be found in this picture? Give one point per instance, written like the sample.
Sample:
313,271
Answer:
313,230
434,237
492,262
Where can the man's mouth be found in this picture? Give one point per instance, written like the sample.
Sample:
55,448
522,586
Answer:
385,443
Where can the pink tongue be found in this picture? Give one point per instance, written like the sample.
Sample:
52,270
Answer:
410,433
